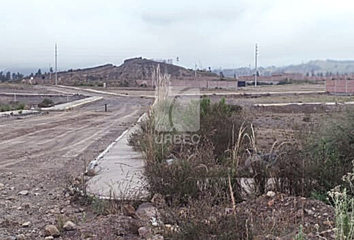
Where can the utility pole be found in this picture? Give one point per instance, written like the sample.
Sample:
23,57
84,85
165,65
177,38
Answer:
256,65
195,70
56,64
50,72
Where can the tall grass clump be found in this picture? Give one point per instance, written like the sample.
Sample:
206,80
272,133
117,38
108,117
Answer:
342,198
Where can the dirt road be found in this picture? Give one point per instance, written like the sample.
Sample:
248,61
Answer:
39,154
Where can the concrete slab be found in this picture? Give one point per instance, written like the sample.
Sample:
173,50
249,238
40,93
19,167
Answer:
18,113
120,172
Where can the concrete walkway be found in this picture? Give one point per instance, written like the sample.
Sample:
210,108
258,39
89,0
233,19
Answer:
119,172
71,105
302,104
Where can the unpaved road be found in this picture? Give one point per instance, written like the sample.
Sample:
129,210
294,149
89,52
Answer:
40,154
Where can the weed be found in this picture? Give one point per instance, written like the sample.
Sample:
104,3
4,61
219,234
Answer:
300,235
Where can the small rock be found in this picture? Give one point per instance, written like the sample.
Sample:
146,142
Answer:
49,238
23,193
271,203
128,210
90,173
328,223
26,224
147,211
144,232
271,194
309,212
51,230
69,226
20,237
229,211
156,237
2,186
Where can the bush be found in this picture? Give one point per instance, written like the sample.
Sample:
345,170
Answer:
12,106
316,162
185,171
46,103
331,153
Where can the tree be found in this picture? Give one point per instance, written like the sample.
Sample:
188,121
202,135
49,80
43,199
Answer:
2,77
39,73
19,76
8,76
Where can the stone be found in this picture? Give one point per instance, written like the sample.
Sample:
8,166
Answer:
26,224
271,194
271,203
147,211
309,212
23,193
144,232
128,210
51,230
2,186
69,226
49,238
156,237
90,173
20,237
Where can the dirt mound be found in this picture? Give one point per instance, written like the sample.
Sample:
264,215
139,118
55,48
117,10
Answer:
280,217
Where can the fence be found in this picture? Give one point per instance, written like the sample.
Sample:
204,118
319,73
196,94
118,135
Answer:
340,86
207,84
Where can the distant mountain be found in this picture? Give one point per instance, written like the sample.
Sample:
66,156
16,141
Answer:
318,66
331,67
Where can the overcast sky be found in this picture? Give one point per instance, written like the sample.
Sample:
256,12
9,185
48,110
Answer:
218,33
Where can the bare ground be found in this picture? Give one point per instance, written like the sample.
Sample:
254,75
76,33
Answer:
41,154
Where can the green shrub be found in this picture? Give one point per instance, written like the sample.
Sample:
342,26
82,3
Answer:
182,170
46,103
12,106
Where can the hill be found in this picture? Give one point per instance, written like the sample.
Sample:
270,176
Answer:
131,71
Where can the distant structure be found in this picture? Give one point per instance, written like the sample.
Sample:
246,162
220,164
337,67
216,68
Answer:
167,61
56,64
344,86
